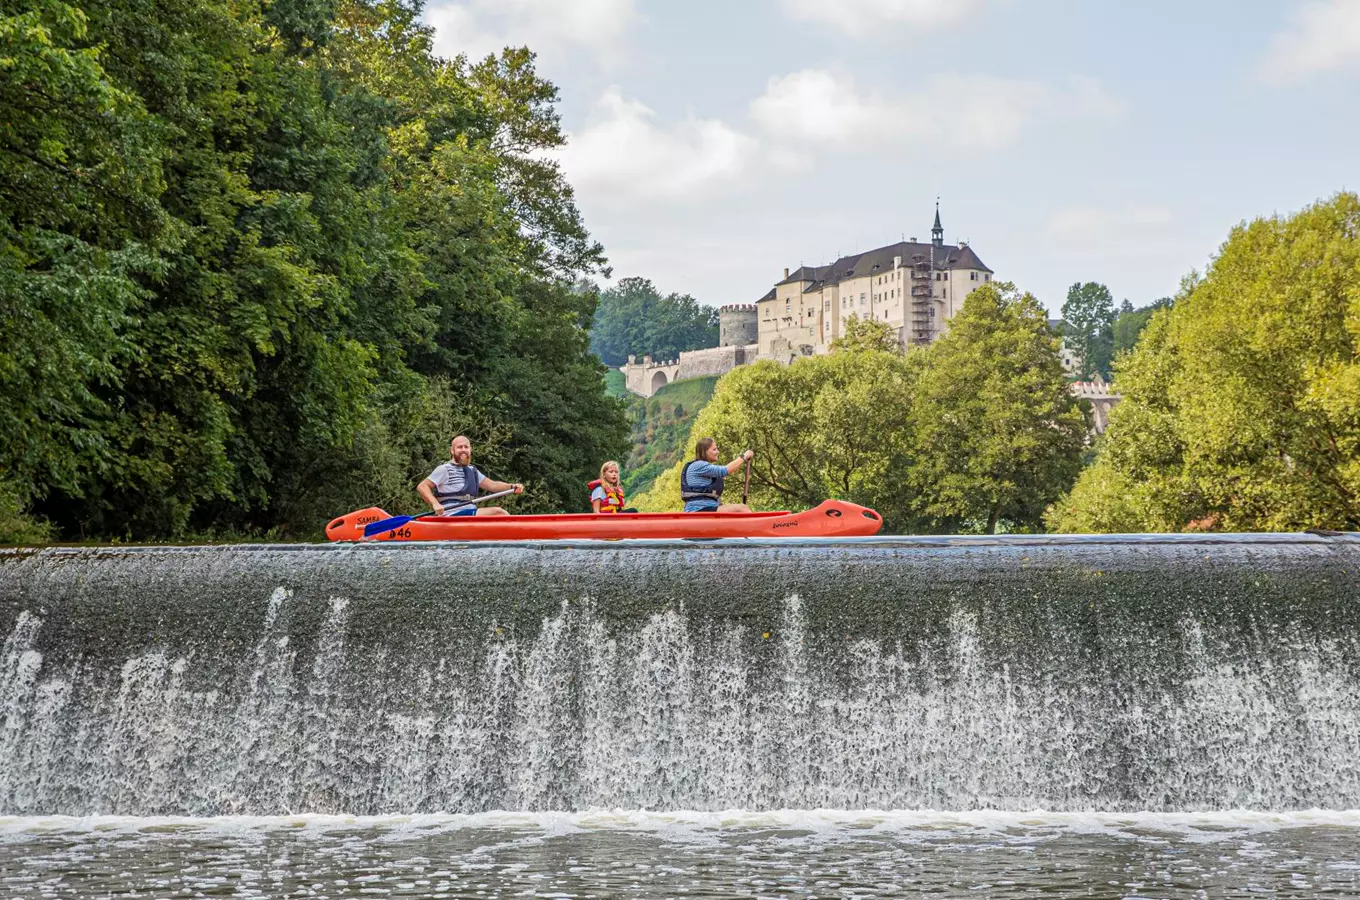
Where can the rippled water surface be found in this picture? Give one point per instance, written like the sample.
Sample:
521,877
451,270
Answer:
617,855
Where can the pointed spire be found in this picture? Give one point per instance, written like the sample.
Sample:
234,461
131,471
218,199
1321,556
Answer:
937,232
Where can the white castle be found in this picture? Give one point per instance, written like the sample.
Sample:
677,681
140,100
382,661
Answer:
914,288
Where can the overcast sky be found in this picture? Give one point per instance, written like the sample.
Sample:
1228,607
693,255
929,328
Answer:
714,143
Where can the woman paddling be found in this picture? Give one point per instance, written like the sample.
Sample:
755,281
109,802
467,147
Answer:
701,480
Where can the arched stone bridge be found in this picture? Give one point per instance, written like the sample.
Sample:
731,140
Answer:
647,377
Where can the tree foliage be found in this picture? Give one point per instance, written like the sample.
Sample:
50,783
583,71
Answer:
823,426
998,433
1088,326
972,432
1129,324
633,318
867,334
256,264
1241,406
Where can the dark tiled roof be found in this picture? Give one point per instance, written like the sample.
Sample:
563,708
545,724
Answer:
802,273
876,262
768,296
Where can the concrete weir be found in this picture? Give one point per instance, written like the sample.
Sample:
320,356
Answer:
1167,673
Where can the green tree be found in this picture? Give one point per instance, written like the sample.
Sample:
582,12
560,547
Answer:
998,435
1130,322
257,263
867,334
633,318
79,178
1241,406
822,426
1088,323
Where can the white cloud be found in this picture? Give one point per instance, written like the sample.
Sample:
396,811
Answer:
960,111
624,154
1322,36
548,27
864,18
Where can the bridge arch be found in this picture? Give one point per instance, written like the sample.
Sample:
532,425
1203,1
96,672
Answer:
658,380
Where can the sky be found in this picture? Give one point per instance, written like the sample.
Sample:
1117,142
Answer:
711,144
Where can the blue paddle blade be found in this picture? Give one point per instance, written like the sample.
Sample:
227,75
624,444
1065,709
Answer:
386,525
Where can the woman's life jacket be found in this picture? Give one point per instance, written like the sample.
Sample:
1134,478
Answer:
613,501
700,487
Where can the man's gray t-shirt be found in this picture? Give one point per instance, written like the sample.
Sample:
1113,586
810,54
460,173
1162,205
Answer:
449,483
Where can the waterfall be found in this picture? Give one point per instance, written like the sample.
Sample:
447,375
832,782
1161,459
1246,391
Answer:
1138,673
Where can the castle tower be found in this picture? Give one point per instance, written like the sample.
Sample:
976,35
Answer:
737,325
937,232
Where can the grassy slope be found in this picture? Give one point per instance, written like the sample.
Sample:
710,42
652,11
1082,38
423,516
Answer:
661,425
614,383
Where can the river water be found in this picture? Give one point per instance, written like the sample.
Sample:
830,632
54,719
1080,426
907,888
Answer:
643,855
672,719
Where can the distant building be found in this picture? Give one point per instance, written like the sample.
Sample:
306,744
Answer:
1071,359
914,288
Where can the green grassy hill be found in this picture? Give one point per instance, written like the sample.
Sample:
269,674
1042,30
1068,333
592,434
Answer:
614,384
661,425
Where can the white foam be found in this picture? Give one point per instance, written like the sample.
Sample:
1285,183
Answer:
1208,826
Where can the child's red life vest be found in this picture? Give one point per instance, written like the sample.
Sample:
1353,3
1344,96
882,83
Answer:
613,501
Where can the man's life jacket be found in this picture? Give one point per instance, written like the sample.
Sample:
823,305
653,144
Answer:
613,501
471,488
700,487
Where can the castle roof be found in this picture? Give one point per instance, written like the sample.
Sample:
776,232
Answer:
880,260
802,273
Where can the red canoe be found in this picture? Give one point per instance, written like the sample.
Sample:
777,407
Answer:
833,518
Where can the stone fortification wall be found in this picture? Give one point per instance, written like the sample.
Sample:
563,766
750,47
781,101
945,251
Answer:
714,361
738,325
647,376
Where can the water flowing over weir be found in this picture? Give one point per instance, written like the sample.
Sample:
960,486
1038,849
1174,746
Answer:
1166,673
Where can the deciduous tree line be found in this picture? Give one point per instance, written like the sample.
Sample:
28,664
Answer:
1241,407
634,318
260,260
1098,331
976,432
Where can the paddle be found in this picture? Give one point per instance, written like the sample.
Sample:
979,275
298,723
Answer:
398,521
746,488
